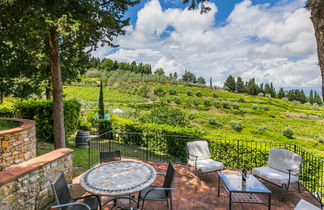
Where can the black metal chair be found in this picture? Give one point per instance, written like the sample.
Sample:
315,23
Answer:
159,193
66,202
109,156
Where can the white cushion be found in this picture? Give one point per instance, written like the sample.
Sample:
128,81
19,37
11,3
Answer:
304,205
282,160
198,148
273,175
207,165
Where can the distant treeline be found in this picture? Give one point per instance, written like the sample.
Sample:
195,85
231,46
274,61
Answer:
265,89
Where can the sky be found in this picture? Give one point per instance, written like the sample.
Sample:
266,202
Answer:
269,40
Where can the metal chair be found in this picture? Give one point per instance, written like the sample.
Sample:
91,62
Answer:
159,193
109,156
65,201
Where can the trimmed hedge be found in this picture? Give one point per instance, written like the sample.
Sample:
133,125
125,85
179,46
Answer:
42,112
6,111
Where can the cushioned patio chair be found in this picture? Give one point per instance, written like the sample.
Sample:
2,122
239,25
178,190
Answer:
159,193
304,205
199,157
66,202
283,168
109,156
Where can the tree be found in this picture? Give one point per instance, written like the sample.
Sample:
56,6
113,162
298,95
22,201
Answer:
252,87
317,16
311,97
159,71
101,112
189,77
39,27
230,83
175,75
211,83
281,93
317,98
239,85
201,81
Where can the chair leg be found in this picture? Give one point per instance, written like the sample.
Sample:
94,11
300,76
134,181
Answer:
171,201
298,184
138,199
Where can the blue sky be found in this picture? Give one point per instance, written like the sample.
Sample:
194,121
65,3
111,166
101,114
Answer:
272,41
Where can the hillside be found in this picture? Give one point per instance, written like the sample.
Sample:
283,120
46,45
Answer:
212,111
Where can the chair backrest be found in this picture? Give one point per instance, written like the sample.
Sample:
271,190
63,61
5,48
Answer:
61,190
169,177
282,159
198,148
109,156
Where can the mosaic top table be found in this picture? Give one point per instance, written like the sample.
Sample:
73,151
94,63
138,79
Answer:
243,192
118,178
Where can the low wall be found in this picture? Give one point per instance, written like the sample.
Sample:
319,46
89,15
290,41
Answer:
27,185
17,144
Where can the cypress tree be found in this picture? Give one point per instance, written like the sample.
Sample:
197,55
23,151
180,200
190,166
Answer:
311,97
101,103
239,85
281,93
317,98
230,83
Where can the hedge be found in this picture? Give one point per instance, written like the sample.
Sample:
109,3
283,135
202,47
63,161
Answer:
42,112
6,111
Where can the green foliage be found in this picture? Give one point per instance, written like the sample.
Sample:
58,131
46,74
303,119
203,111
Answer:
101,112
104,126
177,100
281,93
241,100
201,80
166,115
213,121
236,105
262,128
288,132
239,85
159,71
320,139
168,101
207,102
236,125
217,104
214,95
261,94
172,91
84,124
7,111
316,106
198,94
189,77
225,105
254,106
230,83
159,92
189,93
195,102
42,113
266,107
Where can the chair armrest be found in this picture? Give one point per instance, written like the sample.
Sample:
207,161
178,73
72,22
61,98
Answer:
161,173
87,196
158,188
70,185
71,204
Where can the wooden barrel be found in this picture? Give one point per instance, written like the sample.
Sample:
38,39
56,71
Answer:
82,138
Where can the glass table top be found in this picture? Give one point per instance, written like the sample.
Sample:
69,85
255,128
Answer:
233,183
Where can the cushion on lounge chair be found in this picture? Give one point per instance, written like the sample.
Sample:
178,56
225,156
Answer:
273,175
207,165
198,148
304,205
282,160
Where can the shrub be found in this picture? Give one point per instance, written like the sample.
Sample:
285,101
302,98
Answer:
268,95
189,93
154,98
262,128
236,125
159,92
42,112
320,139
104,126
241,100
172,91
195,102
316,106
236,106
266,107
213,121
261,94
177,100
84,124
285,99
295,103
6,111
206,102
288,132
225,105
217,104
168,101
214,95
254,106
198,94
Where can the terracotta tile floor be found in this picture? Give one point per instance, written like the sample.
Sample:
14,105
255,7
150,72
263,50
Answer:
190,195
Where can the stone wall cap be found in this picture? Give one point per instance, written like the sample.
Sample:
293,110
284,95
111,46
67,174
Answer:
26,124
17,170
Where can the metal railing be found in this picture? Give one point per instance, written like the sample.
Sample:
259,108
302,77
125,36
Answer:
235,154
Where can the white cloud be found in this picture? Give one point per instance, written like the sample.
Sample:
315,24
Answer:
272,44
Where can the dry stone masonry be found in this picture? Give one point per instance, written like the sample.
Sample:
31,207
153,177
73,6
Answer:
17,144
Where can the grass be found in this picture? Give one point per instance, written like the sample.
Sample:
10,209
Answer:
7,124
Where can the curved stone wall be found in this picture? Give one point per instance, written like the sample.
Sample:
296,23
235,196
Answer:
17,144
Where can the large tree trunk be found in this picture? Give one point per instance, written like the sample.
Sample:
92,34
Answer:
317,17
58,109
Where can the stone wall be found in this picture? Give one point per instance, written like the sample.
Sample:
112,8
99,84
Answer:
17,144
27,185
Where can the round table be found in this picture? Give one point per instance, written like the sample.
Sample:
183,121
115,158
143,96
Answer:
118,178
